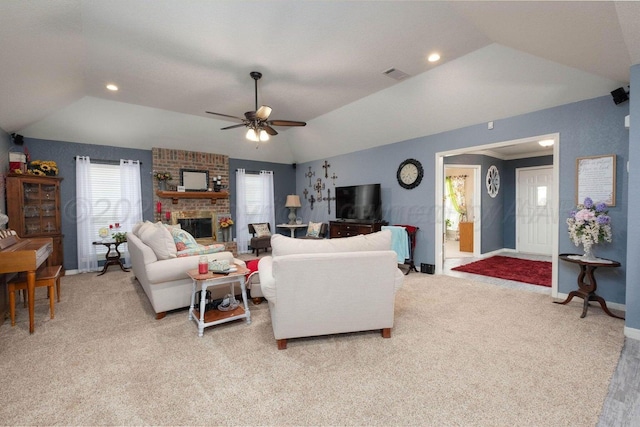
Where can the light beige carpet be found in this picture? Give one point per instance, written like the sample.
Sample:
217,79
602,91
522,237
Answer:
461,353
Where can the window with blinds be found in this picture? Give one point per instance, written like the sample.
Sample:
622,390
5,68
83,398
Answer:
105,188
254,201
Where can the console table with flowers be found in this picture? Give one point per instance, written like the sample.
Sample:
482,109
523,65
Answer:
587,288
589,224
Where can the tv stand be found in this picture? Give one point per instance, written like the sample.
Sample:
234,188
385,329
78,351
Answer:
348,228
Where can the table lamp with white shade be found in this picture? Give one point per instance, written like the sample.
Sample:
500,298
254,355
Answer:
293,202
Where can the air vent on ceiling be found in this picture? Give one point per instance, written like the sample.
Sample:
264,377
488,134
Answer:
395,74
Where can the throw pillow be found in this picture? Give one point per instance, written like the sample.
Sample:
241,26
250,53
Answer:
158,238
313,230
262,230
183,240
201,250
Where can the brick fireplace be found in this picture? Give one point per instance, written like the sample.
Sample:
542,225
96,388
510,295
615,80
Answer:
202,210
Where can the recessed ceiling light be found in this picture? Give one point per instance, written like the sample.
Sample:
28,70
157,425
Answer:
434,57
112,87
546,142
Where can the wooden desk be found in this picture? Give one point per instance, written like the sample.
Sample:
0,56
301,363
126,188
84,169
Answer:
25,255
587,288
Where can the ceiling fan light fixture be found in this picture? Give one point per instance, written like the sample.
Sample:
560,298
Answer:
264,136
252,135
263,112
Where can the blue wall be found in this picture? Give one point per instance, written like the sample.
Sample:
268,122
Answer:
586,128
5,146
633,245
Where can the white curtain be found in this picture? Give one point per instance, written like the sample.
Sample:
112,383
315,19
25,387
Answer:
242,229
87,259
130,207
266,182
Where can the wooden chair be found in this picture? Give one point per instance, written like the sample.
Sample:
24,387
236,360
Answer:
258,243
46,276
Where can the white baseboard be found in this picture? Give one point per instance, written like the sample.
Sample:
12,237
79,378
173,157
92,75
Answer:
70,272
632,333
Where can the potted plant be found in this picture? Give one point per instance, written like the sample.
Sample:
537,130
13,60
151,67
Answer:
162,178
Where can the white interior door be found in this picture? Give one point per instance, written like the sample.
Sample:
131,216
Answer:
534,210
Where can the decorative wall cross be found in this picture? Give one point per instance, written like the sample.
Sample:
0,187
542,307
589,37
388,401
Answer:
329,199
309,175
305,192
319,187
312,201
334,177
326,167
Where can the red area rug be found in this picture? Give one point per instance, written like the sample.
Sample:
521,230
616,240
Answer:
503,267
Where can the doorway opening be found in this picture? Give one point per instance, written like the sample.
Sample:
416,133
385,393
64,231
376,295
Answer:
461,208
506,150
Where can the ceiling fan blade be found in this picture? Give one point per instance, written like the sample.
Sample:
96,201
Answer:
263,112
286,123
233,126
224,115
271,131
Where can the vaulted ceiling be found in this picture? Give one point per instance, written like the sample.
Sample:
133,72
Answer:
323,62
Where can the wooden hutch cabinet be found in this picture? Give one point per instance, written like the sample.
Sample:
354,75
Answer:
352,228
33,207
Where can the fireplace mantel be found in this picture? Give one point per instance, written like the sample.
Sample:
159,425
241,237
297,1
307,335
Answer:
175,196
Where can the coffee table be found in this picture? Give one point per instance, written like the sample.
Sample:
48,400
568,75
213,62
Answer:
201,282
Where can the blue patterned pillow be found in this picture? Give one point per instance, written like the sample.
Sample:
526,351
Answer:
182,239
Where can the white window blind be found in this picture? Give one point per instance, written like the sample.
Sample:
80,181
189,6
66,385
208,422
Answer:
254,202
105,186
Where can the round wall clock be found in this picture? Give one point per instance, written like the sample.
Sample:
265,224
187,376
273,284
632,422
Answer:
410,173
493,181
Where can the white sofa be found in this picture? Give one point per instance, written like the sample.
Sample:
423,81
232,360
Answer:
162,273
330,286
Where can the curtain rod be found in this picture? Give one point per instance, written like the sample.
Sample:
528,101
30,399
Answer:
102,161
252,172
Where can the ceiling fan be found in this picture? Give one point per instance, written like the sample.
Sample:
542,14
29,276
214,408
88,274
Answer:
260,127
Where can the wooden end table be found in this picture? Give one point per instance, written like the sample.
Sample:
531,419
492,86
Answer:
203,317
587,288
112,258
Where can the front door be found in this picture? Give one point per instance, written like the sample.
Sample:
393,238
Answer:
534,210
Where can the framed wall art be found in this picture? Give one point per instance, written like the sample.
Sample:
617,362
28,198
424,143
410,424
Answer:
194,180
596,178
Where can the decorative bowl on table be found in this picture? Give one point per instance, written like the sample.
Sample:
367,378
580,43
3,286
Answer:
103,232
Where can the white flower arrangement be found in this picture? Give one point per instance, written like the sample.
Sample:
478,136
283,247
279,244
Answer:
589,224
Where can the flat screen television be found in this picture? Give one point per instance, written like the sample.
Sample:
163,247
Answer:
359,202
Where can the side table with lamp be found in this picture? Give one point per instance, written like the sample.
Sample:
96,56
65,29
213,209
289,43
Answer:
293,202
